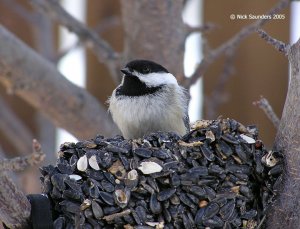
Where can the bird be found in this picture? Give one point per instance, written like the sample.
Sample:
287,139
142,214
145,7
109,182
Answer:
148,100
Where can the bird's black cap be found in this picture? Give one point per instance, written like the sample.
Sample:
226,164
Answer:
144,67
132,85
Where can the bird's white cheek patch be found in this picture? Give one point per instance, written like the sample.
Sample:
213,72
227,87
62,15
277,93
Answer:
156,79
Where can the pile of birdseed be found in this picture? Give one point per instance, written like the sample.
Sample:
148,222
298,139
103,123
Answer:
218,176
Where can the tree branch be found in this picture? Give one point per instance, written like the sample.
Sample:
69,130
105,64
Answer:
231,43
264,104
278,45
31,77
104,25
285,210
14,208
91,39
21,163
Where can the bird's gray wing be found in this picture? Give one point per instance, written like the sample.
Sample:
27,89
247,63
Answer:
186,121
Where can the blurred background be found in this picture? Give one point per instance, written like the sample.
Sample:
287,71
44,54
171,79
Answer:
258,69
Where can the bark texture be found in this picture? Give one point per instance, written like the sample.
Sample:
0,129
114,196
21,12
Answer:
285,210
25,73
154,30
15,212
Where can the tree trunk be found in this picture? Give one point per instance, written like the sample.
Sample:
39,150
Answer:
284,212
154,30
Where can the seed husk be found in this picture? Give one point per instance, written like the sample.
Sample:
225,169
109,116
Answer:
93,163
149,167
82,163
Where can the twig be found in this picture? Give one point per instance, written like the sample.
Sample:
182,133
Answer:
90,38
21,163
261,222
267,108
278,45
117,215
231,43
217,95
107,23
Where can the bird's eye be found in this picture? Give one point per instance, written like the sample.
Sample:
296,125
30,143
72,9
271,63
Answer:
146,70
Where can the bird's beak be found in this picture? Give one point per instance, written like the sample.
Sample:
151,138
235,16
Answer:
126,71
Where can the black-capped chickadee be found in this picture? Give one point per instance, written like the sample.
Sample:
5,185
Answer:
149,99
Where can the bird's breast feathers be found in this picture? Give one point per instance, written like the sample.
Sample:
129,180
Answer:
136,116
